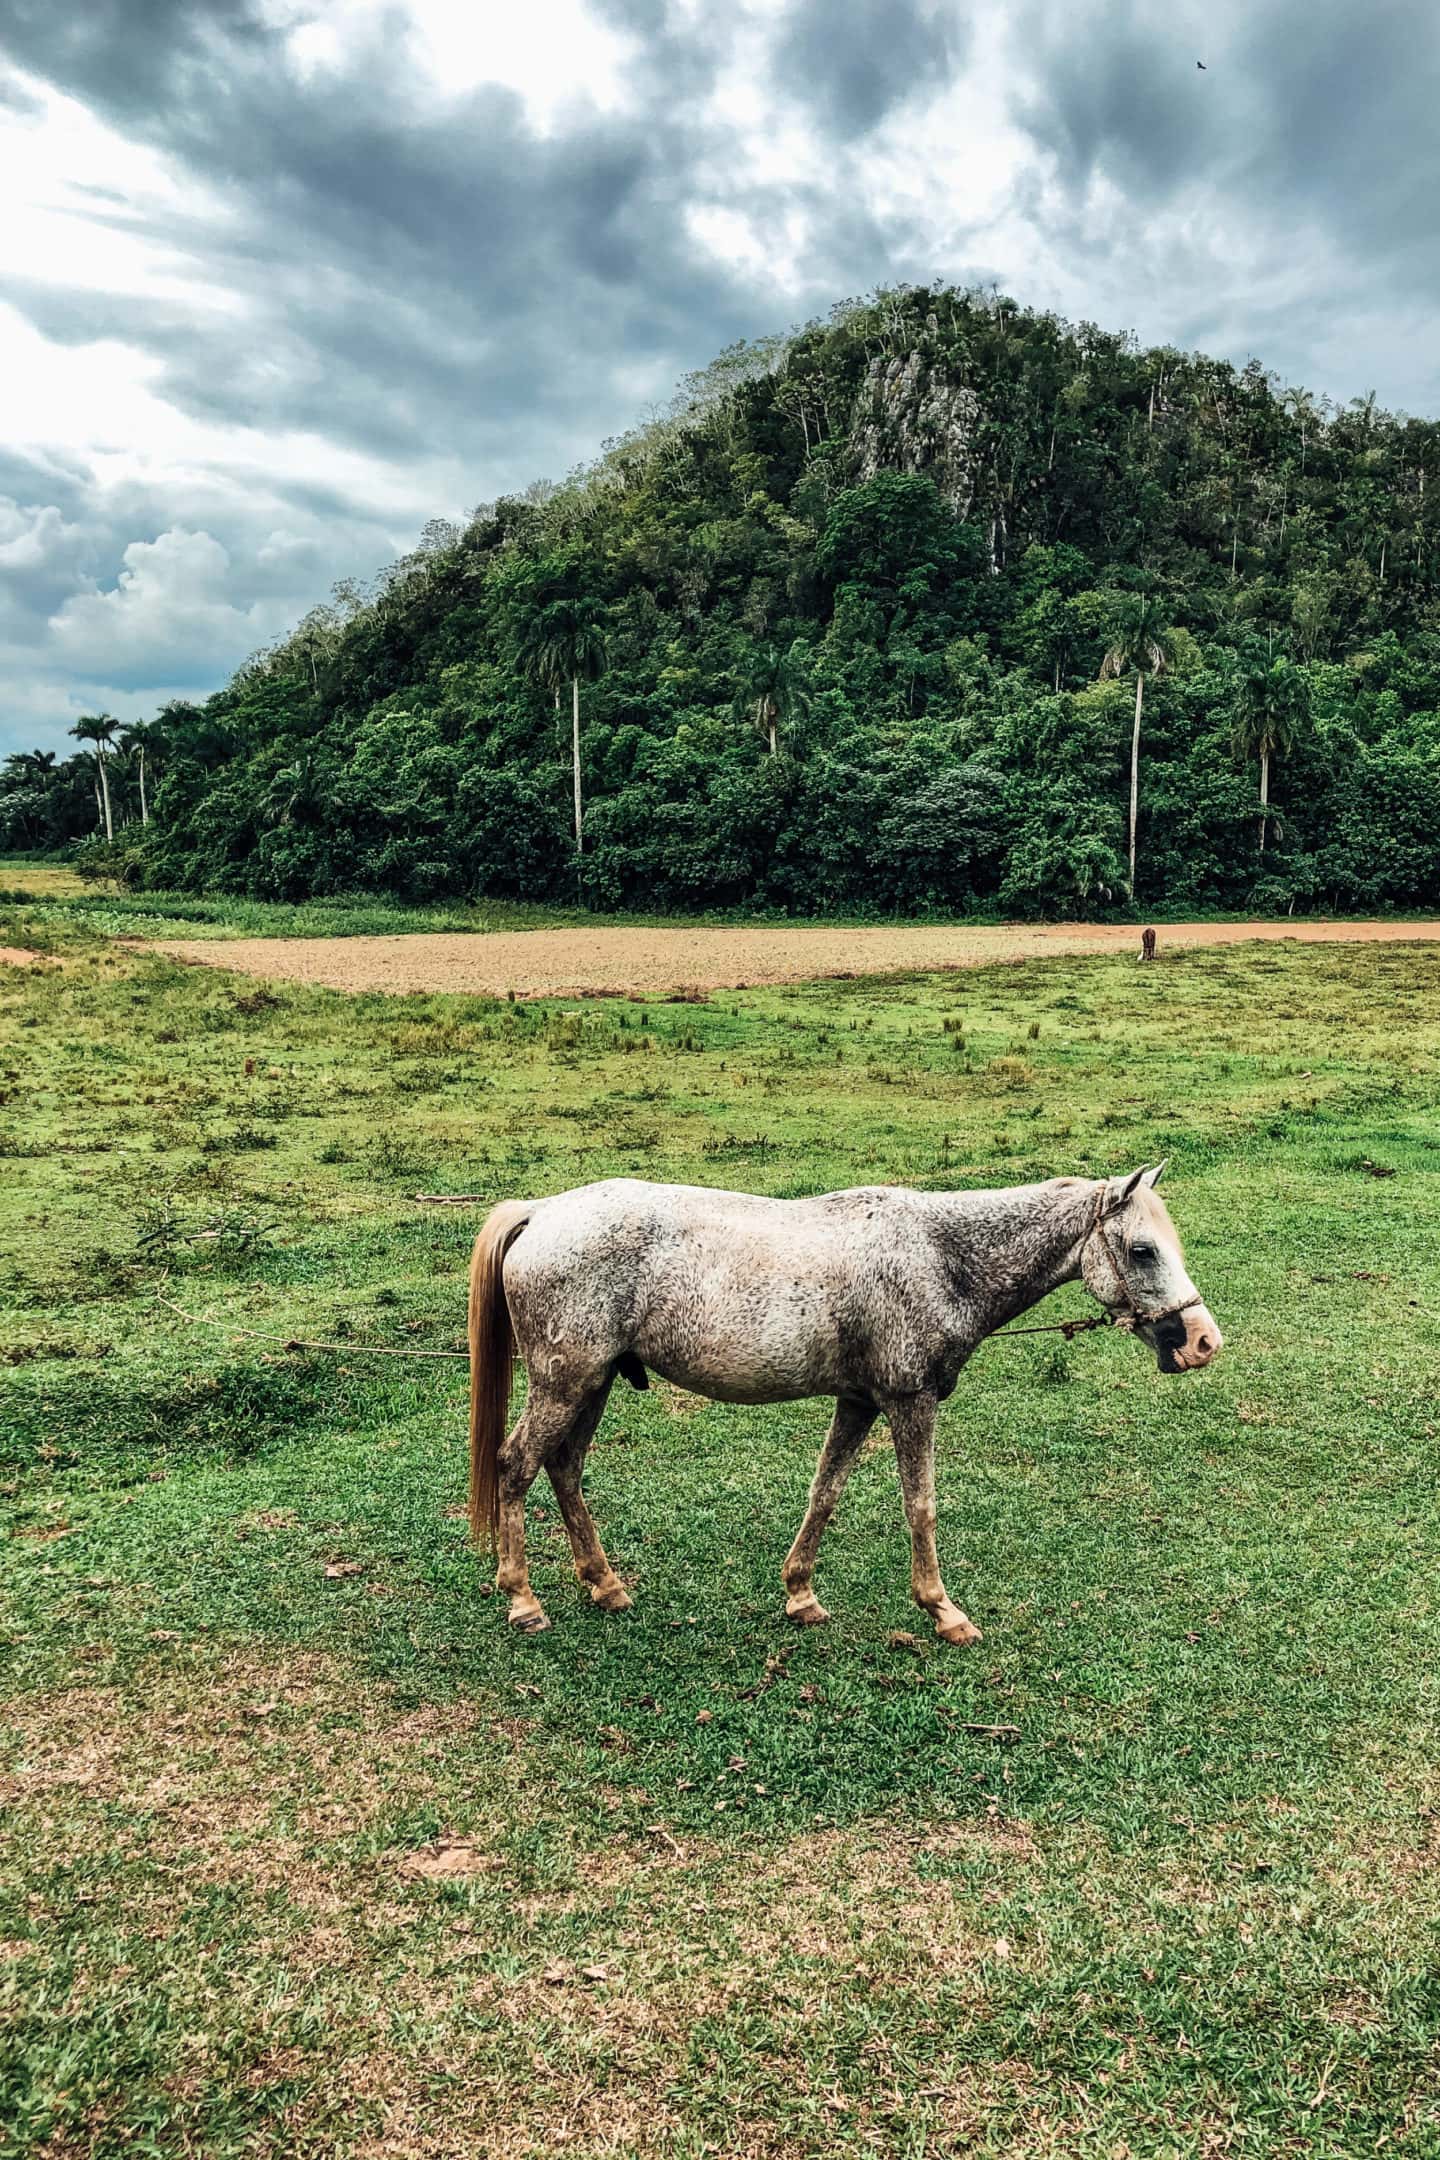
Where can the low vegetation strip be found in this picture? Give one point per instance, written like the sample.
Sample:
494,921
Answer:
589,961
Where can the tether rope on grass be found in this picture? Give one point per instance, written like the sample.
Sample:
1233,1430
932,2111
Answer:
301,1342
1068,1328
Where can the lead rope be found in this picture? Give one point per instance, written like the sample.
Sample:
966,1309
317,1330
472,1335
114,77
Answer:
1068,1328
1129,1319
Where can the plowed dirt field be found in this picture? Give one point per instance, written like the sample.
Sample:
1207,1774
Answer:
594,961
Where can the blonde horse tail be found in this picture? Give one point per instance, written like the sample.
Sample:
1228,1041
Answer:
492,1362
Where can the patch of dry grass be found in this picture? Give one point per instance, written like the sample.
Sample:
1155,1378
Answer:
555,2008
243,1827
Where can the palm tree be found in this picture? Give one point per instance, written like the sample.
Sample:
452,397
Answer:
138,738
100,729
1304,409
774,690
565,642
36,764
1140,638
296,794
1272,705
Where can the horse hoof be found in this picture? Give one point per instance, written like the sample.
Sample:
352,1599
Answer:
530,1623
614,1599
806,1611
961,1631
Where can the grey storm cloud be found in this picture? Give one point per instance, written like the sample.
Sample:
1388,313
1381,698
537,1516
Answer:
854,65
443,250
438,285
465,264
1314,110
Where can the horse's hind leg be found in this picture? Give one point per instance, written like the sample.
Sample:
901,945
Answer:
564,1467
912,1426
543,1427
848,1427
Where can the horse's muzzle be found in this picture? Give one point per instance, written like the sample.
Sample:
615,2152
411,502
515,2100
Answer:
1187,1340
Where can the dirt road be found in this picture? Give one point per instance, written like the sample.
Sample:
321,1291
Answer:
590,961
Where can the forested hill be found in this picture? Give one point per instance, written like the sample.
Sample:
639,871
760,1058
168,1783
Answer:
858,626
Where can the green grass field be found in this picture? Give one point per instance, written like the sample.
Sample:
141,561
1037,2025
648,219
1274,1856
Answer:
305,1853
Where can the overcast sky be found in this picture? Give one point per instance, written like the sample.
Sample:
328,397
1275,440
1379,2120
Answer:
282,279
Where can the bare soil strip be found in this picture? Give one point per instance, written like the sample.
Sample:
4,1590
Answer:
610,960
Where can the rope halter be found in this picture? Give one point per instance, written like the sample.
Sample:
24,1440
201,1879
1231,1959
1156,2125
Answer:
1132,1313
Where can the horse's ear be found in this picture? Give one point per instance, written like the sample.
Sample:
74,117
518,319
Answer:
1123,1189
1153,1177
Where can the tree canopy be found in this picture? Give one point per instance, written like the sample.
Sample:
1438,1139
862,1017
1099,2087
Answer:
864,623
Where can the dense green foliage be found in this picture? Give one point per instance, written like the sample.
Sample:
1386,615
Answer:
841,625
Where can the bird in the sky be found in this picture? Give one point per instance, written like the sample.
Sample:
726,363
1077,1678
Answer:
1201,65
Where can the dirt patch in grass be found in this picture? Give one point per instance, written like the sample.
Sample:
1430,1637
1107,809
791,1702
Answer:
592,961
435,2008
18,956
241,1759
241,1770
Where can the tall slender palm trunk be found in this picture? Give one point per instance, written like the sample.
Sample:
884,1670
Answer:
105,791
1135,768
575,754
144,806
1264,791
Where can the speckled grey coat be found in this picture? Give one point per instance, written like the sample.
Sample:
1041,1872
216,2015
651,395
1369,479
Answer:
876,1297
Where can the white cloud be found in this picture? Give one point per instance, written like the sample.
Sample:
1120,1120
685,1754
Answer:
82,201
552,53
35,537
166,616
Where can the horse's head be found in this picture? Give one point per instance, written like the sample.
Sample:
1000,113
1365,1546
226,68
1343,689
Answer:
1133,1264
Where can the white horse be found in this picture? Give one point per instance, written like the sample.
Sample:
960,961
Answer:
876,1296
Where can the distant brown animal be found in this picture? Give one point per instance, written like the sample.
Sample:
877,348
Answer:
1147,944
877,1297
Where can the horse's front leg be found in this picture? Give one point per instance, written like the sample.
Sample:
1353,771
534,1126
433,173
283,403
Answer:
848,1427
912,1427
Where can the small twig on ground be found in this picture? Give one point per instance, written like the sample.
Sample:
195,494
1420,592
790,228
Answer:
774,1666
994,1732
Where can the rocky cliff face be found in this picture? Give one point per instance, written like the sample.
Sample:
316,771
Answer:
910,418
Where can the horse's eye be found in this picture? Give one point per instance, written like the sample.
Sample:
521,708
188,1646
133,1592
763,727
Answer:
1142,1252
